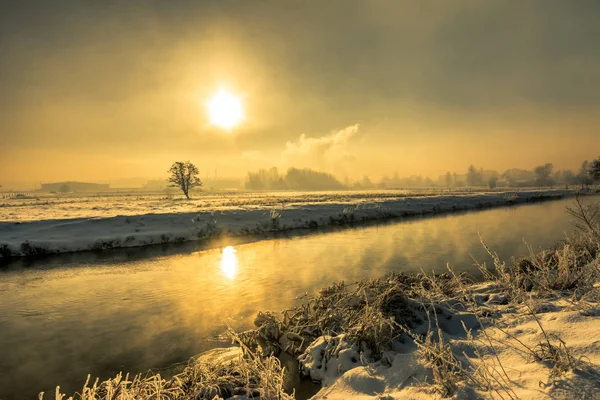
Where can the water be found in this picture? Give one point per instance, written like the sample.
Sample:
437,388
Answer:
68,316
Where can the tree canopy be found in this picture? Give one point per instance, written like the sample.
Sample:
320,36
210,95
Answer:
184,174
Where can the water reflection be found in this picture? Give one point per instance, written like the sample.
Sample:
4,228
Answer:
229,262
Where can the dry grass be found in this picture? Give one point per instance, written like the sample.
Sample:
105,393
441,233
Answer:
446,368
369,312
554,350
486,373
573,266
570,271
250,375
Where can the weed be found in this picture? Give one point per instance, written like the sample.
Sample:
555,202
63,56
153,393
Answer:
275,217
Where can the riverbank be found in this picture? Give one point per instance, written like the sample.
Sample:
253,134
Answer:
52,236
529,330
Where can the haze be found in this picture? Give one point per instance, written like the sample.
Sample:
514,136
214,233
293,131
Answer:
111,90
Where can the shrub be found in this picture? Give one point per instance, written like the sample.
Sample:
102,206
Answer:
31,250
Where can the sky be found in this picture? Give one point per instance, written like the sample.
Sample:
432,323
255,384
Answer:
108,90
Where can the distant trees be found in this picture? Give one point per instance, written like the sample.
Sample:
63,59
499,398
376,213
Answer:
265,179
184,175
518,177
64,188
474,176
543,175
594,170
584,176
308,179
297,179
396,181
589,172
365,182
566,177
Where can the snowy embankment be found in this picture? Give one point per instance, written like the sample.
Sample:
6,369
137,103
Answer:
545,349
529,330
49,236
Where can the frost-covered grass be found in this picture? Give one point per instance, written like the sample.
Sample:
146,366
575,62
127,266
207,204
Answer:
32,227
211,378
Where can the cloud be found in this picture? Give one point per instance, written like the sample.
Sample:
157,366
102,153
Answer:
323,152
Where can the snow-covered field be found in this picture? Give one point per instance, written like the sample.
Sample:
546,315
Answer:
53,224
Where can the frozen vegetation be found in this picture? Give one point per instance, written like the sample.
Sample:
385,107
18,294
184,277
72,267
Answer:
529,330
47,225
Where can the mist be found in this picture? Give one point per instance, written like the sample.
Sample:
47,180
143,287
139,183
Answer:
115,92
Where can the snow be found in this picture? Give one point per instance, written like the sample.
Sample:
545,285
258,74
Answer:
328,357
577,325
44,225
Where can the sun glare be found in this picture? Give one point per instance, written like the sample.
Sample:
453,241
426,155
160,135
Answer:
225,110
229,262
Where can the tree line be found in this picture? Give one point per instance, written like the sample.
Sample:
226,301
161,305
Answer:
544,175
184,175
294,179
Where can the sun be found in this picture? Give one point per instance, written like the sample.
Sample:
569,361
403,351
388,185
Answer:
225,110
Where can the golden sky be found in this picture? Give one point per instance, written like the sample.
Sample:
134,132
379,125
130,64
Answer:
104,90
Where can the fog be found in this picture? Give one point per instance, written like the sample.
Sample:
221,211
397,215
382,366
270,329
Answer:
114,92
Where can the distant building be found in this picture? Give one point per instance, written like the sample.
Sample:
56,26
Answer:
65,187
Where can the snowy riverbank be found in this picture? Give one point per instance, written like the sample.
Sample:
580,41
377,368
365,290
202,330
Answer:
49,236
453,363
529,330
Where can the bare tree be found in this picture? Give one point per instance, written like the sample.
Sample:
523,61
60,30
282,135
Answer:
185,176
587,216
493,182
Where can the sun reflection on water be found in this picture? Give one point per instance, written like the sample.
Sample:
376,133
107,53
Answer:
229,262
